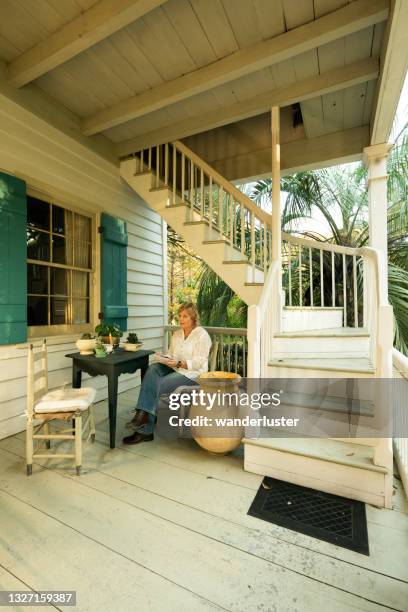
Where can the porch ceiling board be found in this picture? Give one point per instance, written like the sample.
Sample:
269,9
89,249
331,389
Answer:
262,54
347,76
83,31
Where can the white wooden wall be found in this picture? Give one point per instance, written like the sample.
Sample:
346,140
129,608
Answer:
58,165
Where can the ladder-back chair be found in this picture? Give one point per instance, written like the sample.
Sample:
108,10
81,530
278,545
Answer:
59,404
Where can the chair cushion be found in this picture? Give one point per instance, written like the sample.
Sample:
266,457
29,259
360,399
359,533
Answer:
66,400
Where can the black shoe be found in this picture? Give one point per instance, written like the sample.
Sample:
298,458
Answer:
141,418
137,438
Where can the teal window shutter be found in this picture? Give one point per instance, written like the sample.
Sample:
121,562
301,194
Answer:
13,260
114,240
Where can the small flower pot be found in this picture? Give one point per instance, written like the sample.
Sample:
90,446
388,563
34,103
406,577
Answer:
85,347
129,346
115,340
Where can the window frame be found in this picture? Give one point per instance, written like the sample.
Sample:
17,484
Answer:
35,331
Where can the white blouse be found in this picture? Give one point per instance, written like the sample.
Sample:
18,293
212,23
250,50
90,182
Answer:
194,350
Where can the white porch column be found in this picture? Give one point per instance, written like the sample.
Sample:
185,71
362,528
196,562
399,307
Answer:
276,205
375,158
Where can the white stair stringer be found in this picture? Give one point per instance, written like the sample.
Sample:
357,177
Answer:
226,261
332,466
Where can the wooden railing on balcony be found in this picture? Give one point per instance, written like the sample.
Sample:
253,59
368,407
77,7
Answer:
322,274
229,351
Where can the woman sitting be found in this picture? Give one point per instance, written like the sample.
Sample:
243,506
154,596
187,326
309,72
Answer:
186,360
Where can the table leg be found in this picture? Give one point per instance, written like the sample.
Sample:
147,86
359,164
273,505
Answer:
143,368
76,376
113,400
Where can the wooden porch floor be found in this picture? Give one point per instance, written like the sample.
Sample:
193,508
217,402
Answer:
164,526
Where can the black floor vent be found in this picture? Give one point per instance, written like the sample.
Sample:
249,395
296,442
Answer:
320,515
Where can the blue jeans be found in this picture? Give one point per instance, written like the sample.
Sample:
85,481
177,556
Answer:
158,380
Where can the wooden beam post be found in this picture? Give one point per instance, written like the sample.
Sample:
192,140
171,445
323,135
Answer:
276,206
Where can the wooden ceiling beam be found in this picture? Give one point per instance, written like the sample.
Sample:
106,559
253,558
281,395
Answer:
341,78
349,19
297,155
98,22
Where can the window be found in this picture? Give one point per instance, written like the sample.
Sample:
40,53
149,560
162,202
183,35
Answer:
59,268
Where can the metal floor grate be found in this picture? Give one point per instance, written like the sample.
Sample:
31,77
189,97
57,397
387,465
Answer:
321,515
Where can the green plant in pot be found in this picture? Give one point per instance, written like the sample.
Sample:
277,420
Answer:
132,342
100,348
109,333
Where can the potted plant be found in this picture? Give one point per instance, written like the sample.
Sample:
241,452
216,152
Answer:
109,334
86,344
132,342
100,350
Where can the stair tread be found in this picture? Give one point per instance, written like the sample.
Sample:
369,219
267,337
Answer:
330,403
352,364
334,332
334,451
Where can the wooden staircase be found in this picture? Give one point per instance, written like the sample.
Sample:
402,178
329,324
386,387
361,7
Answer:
297,327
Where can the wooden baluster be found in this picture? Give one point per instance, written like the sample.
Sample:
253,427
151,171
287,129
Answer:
344,290
229,353
311,276
234,212
210,197
174,173
253,245
220,209
183,177
191,185
232,219
242,228
166,164
333,281
236,355
244,357
300,276
355,295
321,279
265,247
157,165
202,192
149,159
290,272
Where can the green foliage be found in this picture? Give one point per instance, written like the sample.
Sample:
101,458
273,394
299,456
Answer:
132,338
217,303
104,329
87,336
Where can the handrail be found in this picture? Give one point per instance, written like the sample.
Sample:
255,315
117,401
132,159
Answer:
400,362
317,244
226,185
230,331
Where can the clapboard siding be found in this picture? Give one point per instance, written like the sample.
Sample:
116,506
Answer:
58,165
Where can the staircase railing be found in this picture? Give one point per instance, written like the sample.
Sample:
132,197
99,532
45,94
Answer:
241,223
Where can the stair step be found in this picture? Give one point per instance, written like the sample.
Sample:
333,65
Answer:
328,403
236,261
201,222
254,284
334,332
353,365
221,241
333,451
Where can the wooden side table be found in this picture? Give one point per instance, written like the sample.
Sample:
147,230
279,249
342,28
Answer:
117,363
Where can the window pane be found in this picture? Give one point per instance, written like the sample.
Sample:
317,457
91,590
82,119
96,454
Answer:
82,228
80,284
37,310
37,279
59,311
59,282
38,213
80,312
82,254
61,220
38,245
61,253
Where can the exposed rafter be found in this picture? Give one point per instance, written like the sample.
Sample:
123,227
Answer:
98,22
302,154
351,18
341,78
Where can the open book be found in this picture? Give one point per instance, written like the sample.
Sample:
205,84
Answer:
162,358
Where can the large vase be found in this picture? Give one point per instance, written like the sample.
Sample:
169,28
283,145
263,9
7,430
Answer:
215,438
